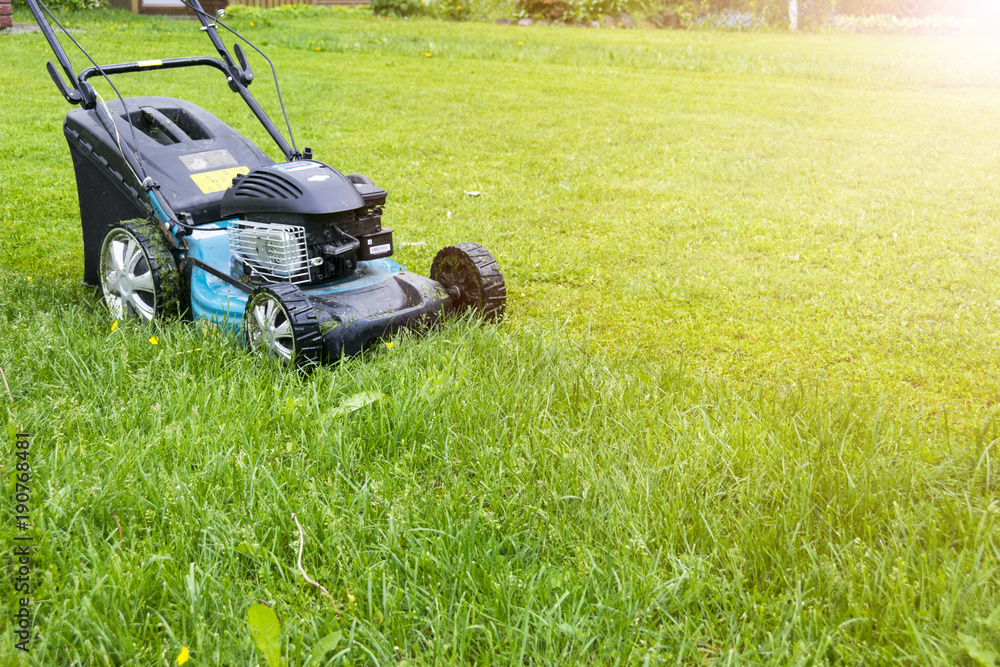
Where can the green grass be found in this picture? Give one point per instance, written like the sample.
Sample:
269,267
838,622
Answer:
741,411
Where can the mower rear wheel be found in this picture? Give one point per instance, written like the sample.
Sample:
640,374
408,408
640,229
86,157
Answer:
279,321
139,277
470,275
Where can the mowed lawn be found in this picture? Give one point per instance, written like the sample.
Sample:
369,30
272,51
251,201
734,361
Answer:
741,411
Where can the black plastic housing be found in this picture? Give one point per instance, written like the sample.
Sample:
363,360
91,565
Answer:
308,194
352,320
376,246
188,152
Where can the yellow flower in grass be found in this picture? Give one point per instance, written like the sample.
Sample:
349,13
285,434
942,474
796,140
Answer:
388,345
154,340
184,655
114,325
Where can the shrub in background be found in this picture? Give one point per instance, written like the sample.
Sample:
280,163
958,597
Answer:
751,14
760,14
573,11
730,19
455,10
398,8
707,14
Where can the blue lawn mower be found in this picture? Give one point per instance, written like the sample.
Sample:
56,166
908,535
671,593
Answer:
182,214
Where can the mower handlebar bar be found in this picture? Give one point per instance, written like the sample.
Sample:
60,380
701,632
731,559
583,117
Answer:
80,91
149,65
195,61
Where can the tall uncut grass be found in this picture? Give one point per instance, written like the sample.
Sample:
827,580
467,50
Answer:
507,497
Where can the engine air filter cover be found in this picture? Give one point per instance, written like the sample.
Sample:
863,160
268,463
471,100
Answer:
277,253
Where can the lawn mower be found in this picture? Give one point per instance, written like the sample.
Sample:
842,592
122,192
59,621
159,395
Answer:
181,214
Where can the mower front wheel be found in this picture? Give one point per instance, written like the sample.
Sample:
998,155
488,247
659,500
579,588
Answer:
279,321
139,277
470,275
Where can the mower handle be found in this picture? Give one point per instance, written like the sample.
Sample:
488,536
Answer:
244,65
232,69
196,61
78,94
80,91
72,95
150,65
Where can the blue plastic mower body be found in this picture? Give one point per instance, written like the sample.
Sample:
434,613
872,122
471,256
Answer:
379,298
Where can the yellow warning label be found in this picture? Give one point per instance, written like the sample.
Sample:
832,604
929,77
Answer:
149,63
218,180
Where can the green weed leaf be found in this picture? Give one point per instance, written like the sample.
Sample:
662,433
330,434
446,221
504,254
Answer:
984,656
324,646
266,632
993,621
356,402
248,549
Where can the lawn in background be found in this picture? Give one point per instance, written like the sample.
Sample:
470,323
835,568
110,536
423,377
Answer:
741,410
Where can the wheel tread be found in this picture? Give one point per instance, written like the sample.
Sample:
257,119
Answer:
483,268
308,340
162,264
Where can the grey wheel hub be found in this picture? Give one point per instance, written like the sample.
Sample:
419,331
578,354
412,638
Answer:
126,277
271,328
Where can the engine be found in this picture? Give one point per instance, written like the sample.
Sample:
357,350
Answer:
304,222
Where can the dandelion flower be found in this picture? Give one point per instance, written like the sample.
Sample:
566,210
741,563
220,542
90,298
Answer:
388,345
154,340
183,656
114,325
428,54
